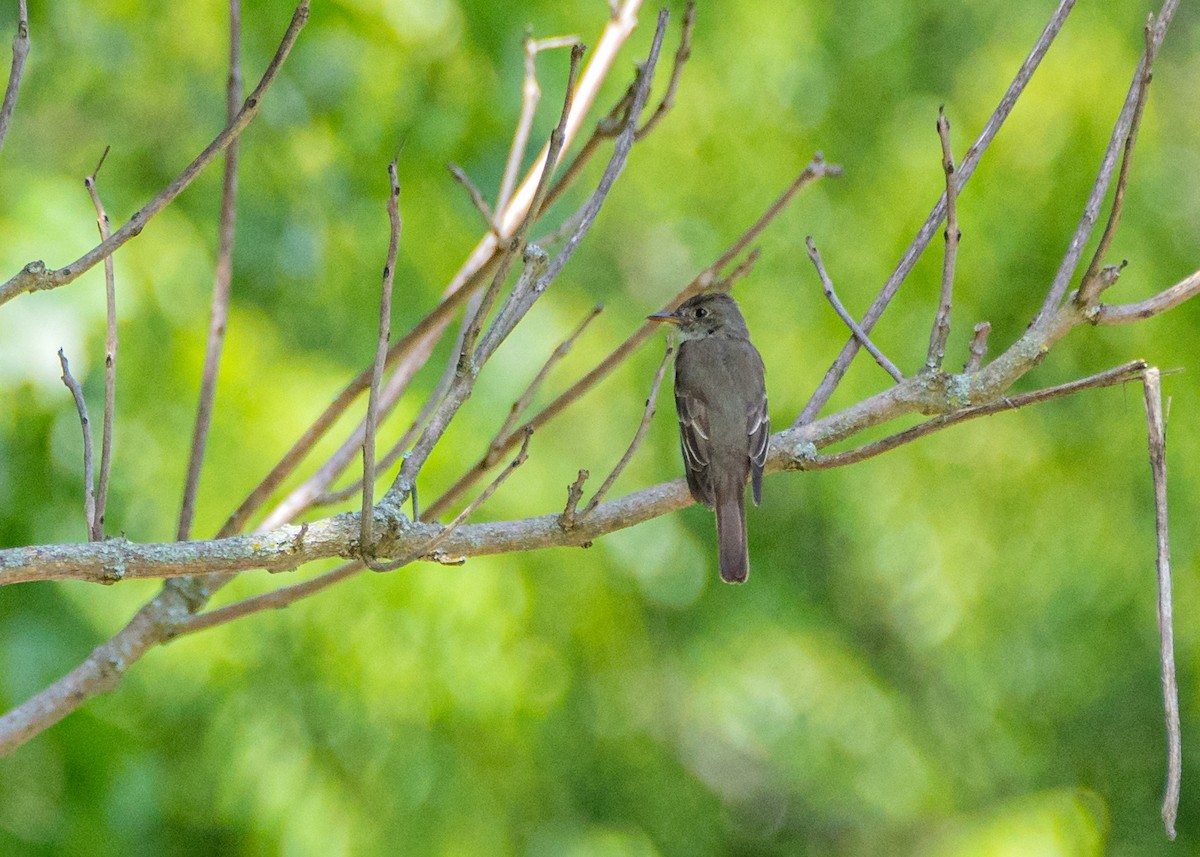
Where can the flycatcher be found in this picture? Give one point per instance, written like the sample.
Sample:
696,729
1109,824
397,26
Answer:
721,398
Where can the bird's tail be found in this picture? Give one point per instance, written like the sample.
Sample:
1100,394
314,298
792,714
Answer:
731,536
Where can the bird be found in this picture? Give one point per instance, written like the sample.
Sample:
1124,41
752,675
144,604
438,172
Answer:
721,400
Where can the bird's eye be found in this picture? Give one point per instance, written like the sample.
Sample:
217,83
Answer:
701,312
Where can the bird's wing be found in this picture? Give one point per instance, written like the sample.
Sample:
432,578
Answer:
693,438
758,427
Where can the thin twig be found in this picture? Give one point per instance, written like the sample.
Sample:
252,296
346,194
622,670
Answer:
1157,436
861,335
941,323
1124,136
741,269
475,193
432,545
274,600
682,54
222,284
36,277
978,348
647,415
20,51
110,358
574,494
1093,283
89,498
1165,300
400,447
966,169
526,398
366,539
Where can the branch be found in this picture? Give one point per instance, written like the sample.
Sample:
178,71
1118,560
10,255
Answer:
861,335
1123,137
36,277
1120,375
526,398
302,496
682,54
966,169
1109,314
286,547
941,322
1157,436
89,498
20,50
222,282
274,600
110,359
475,193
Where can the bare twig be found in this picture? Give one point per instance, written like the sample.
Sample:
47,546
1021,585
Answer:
941,323
20,51
966,169
1093,283
526,398
222,283
36,277
366,539
476,195
1152,306
647,415
574,494
861,335
682,54
978,348
741,269
415,352
110,359
274,600
1156,432
1124,137
89,497
400,447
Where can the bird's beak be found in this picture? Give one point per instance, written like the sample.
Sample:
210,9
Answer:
669,318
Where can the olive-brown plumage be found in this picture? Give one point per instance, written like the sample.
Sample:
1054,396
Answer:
721,399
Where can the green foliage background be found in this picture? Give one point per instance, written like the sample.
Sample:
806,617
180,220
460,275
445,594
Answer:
950,650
